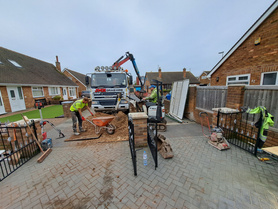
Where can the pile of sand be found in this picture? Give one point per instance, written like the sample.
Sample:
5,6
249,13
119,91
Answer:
121,133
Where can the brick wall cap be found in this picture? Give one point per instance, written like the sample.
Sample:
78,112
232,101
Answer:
22,122
137,115
225,110
237,85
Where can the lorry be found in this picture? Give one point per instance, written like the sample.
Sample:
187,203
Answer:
109,88
110,91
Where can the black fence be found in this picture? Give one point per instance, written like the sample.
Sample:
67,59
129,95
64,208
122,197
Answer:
240,130
132,146
152,143
17,147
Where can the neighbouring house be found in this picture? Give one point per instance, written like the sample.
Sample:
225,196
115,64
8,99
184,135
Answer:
167,78
25,80
253,60
204,79
77,78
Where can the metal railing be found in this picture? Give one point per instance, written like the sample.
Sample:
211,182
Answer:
152,143
132,145
239,129
17,147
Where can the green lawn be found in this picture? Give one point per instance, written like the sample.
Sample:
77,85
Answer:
47,112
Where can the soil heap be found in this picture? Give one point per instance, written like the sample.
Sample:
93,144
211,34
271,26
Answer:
121,133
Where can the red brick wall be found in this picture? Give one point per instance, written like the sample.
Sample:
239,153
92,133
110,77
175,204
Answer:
250,58
235,97
80,85
190,108
5,98
28,96
204,81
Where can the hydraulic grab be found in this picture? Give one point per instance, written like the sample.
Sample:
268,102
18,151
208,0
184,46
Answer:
124,59
155,112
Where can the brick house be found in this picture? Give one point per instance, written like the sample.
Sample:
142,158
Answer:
167,78
204,79
77,78
24,80
253,60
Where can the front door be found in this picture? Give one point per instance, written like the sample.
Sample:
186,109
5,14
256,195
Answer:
16,98
65,94
2,108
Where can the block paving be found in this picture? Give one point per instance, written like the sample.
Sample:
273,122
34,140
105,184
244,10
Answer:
86,174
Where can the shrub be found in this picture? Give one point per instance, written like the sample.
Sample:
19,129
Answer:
57,97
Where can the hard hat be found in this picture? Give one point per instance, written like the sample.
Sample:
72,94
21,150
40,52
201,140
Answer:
152,86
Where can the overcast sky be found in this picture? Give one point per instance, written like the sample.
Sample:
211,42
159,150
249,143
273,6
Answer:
171,34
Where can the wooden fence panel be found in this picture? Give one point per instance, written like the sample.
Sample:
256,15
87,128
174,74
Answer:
255,96
209,97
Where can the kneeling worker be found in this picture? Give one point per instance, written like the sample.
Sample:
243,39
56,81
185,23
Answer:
76,113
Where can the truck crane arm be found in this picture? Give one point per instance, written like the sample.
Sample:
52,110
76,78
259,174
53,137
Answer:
123,60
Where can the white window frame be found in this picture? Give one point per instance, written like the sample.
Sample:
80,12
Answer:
262,78
35,88
72,92
237,81
56,89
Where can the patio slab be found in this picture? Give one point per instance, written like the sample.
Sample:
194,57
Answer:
100,175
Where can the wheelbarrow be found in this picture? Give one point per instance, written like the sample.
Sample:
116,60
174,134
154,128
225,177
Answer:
103,122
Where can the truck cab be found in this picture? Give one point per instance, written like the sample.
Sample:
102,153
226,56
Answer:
109,88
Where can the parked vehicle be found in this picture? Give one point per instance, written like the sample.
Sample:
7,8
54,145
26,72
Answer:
86,94
109,88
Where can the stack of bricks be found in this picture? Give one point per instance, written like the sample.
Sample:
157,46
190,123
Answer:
139,121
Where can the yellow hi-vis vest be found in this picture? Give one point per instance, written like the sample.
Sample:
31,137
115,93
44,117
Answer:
78,104
266,120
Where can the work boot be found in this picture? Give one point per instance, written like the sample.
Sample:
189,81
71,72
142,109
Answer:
82,130
76,133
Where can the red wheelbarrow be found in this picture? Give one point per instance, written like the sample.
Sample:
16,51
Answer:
103,122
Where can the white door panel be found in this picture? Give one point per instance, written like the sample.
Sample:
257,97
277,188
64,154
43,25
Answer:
65,94
16,98
2,108
178,98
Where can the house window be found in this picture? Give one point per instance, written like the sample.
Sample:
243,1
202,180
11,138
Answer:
19,92
269,78
37,91
54,90
15,63
238,79
12,94
72,92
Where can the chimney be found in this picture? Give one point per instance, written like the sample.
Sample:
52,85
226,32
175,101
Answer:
159,73
184,73
58,65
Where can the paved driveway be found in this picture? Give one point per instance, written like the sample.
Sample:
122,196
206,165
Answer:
100,175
